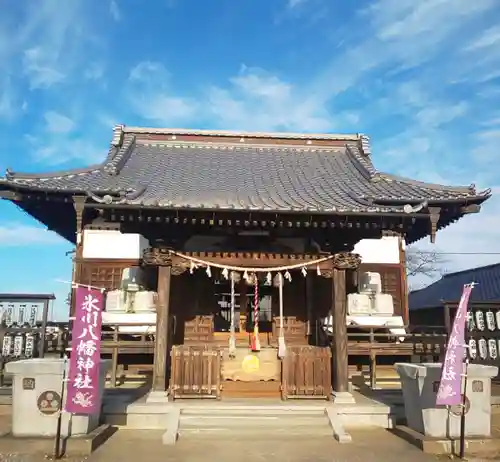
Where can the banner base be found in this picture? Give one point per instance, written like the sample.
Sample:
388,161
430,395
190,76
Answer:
447,446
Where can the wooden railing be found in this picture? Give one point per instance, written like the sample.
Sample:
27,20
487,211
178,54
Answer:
132,354
118,345
417,347
195,372
306,373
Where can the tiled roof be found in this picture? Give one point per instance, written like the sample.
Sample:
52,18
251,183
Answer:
449,288
220,175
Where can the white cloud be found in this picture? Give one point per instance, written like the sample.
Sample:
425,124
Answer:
258,100
57,150
487,39
57,140
107,120
150,72
254,99
58,123
10,104
114,10
94,72
400,34
7,103
16,234
486,151
295,3
152,98
37,66
48,40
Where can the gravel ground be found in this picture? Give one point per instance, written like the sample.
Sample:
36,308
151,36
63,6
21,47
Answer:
130,445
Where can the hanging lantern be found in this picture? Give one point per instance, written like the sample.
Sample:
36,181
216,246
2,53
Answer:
8,316
318,271
18,345
209,272
192,267
304,271
29,347
288,276
7,345
33,315
225,273
245,276
20,318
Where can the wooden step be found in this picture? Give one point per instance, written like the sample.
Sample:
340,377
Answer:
238,389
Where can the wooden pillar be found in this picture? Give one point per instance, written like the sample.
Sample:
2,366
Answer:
447,319
241,288
162,328
311,315
79,205
339,346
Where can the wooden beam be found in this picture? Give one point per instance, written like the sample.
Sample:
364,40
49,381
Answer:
471,208
339,313
255,259
435,213
157,256
162,328
11,195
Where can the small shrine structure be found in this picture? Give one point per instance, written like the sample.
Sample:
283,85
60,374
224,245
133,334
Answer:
236,246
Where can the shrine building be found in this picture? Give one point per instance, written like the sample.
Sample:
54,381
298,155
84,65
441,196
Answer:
246,256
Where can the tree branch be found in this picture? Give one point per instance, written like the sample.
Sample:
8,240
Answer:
429,264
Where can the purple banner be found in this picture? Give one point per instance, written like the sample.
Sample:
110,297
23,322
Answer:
450,387
83,377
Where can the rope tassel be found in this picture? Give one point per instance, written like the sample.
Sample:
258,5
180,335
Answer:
232,337
281,338
255,342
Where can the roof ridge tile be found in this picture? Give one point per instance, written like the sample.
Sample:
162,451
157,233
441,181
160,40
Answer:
238,133
114,165
230,146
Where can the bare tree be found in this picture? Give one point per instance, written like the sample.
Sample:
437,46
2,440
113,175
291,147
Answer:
424,263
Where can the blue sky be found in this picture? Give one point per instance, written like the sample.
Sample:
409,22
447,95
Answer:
421,78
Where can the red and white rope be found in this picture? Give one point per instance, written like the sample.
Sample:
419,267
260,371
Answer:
256,305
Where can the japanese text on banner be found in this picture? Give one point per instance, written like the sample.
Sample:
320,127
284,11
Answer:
450,387
83,378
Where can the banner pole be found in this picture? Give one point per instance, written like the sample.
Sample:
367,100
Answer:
57,445
461,453
453,384
462,415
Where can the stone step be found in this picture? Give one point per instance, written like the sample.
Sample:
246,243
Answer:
245,423
221,420
221,432
141,416
250,411
232,421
